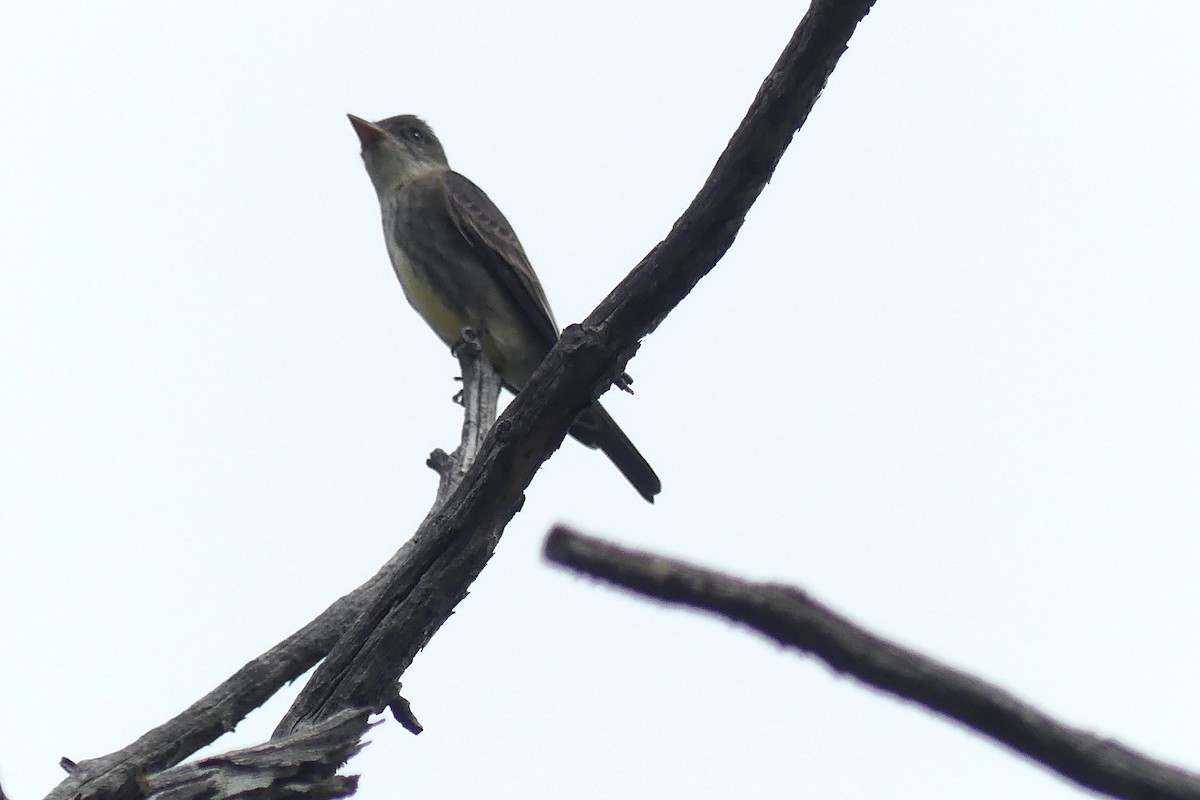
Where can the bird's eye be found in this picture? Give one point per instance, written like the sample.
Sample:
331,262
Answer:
414,134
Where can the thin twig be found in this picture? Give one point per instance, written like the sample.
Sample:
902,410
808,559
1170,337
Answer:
480,397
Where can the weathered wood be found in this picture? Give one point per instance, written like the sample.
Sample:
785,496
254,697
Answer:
792,618
304,765
422,583
454,544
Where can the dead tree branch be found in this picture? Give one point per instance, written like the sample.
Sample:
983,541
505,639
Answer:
454,544
300,766
421,591
412,595
794,619
118,774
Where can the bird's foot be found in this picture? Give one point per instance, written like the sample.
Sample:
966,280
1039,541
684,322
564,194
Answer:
468,338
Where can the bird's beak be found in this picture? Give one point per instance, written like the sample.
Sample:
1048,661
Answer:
369,133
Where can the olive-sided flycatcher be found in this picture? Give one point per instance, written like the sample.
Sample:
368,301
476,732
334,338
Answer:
461,266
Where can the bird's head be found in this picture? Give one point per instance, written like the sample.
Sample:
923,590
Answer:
398,150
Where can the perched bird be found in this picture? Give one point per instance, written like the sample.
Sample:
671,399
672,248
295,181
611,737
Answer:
461,266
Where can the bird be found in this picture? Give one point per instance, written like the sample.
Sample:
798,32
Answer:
461,265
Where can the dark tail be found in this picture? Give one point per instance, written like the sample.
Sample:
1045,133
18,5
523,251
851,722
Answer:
595,428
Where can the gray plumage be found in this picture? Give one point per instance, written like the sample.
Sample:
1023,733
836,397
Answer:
461,265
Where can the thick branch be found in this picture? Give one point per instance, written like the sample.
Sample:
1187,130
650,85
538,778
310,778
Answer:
584,362
706,230
221,709
300,766
794,619
453,545
420,590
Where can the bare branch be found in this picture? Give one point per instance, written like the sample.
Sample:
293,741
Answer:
705,231
792,618
221,709
300,766
479,397
421,589
452,546
458,539
402,712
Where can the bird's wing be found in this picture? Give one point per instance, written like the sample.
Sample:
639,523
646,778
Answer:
486,229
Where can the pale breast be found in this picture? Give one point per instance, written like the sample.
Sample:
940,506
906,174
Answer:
446,321
451,286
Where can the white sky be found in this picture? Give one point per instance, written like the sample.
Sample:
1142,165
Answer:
946,380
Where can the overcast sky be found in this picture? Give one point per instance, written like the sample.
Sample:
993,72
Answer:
946,380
